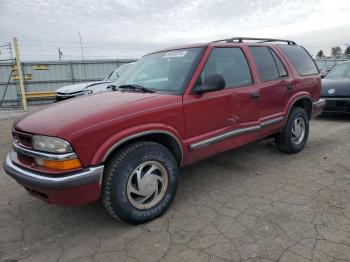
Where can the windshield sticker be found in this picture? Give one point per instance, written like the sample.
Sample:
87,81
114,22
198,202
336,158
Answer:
175,54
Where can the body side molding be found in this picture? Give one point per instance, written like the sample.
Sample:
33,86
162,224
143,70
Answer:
236,132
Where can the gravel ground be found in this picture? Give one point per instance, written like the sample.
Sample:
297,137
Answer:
251,204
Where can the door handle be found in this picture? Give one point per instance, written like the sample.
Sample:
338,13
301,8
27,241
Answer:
255,95
290,87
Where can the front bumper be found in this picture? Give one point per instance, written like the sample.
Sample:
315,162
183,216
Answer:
337,105
72,189
318,107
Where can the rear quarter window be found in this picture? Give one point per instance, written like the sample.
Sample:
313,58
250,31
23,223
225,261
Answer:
301,59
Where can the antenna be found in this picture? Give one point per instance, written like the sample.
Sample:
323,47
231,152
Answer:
60,54
82,55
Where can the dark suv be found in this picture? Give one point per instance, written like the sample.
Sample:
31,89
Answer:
171,108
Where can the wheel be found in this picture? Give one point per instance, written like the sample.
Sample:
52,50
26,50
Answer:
294,135
140,182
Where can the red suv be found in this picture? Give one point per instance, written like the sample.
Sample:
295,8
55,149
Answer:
171,108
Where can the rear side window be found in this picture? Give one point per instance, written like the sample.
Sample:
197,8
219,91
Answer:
280,66
300,58
231,64
265,63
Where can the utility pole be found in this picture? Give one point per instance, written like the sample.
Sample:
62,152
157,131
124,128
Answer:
9,48
60,54
20,75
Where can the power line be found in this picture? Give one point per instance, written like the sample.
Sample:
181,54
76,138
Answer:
41,49
101,45
89,47
88,43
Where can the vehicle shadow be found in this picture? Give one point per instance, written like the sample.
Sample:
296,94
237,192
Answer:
215,180
230,167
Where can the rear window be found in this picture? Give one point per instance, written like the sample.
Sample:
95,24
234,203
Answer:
301,59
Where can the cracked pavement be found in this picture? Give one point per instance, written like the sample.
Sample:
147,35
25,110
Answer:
251,204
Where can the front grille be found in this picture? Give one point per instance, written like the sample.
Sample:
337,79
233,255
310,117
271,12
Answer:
337,106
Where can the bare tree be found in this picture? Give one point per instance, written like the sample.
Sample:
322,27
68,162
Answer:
336,51
347,50
320,54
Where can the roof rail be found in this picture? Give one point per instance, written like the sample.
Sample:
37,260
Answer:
261,40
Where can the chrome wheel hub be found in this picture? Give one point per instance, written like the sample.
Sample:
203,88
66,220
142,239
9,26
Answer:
298,130
147,184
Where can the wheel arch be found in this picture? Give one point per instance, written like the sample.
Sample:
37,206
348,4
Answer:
304,101
163,137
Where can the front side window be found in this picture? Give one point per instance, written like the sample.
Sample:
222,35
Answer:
231,64
300,58
166,71
339,71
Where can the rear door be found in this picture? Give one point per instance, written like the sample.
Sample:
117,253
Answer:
275,82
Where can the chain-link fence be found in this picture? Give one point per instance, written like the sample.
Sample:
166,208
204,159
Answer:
326,64
47,76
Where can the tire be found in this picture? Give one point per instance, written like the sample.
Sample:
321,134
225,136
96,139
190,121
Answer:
288,140
132,174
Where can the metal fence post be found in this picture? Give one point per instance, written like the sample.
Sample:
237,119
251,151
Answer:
72,72
20,75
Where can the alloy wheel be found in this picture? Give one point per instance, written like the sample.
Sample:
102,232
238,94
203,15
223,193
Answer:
298,130
147,184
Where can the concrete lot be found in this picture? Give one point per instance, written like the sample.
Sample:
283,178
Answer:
252,204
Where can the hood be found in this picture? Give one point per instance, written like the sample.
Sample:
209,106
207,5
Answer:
72,116
341,87
76,87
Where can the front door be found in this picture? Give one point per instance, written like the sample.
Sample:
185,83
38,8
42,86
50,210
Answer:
213,120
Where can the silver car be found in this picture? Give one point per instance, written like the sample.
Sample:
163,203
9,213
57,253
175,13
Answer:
86,88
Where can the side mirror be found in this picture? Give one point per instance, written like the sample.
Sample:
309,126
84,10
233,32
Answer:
213,82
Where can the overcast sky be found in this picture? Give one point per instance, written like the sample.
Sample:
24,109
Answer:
129,29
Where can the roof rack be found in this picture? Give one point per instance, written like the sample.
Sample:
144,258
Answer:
261,40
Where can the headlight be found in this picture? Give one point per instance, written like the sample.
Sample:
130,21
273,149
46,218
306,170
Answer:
51,144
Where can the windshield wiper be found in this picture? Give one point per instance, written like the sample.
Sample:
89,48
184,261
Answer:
134,87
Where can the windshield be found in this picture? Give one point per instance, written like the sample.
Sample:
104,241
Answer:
118,72
162,72
339,71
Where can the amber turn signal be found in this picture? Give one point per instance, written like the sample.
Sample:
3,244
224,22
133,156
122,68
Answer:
63,165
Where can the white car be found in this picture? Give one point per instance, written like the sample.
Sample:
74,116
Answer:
86,88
